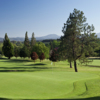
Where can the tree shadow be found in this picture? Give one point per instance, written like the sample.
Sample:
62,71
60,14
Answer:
19,70
39,64
92,66
94,58
31,68
3,58
17,60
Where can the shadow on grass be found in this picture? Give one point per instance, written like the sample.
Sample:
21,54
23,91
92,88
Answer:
92,66
94,58
19,70
91,98
20,60
31,68
16,60
3,58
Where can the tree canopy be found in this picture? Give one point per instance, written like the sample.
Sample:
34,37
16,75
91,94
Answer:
78,39
7,48
41,48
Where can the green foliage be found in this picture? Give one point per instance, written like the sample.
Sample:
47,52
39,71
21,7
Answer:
1,44
16,51
7,48
21,53
41,48
33,40
26,48
18,43
26,41
24,52
74,44
55,43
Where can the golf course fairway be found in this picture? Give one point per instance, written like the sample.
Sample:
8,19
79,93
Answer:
48,81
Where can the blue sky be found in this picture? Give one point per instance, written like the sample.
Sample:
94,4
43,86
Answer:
43,17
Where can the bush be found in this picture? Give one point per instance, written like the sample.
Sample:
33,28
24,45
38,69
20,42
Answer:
54,55
34,56
42,57
41,48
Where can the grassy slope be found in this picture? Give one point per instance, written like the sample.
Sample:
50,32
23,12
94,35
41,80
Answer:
25,79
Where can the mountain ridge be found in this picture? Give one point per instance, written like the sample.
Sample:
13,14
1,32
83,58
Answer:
49,36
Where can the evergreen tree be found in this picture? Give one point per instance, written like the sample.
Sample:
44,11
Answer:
26,48
24,52
21,53
7,48
16,51
26,41
62,54
76,44
33,40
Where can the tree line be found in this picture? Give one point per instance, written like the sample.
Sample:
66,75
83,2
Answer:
10,50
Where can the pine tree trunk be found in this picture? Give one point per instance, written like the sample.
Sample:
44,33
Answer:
8,57
75,66
70,64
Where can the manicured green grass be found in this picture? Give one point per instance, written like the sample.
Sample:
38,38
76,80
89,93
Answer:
24,79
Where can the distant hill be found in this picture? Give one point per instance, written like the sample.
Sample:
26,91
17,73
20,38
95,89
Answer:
50,36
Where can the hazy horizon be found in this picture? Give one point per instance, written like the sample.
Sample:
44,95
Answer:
30,37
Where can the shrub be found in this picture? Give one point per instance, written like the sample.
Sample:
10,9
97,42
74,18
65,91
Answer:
34,56
42,57
53,55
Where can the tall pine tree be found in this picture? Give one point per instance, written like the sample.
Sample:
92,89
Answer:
33,40
26,41
27,49
78,39
7,48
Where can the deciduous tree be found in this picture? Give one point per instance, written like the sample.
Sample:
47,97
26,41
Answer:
42,57
34,56
54,55
41,48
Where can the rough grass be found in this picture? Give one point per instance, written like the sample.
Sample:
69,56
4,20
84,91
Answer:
24,79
